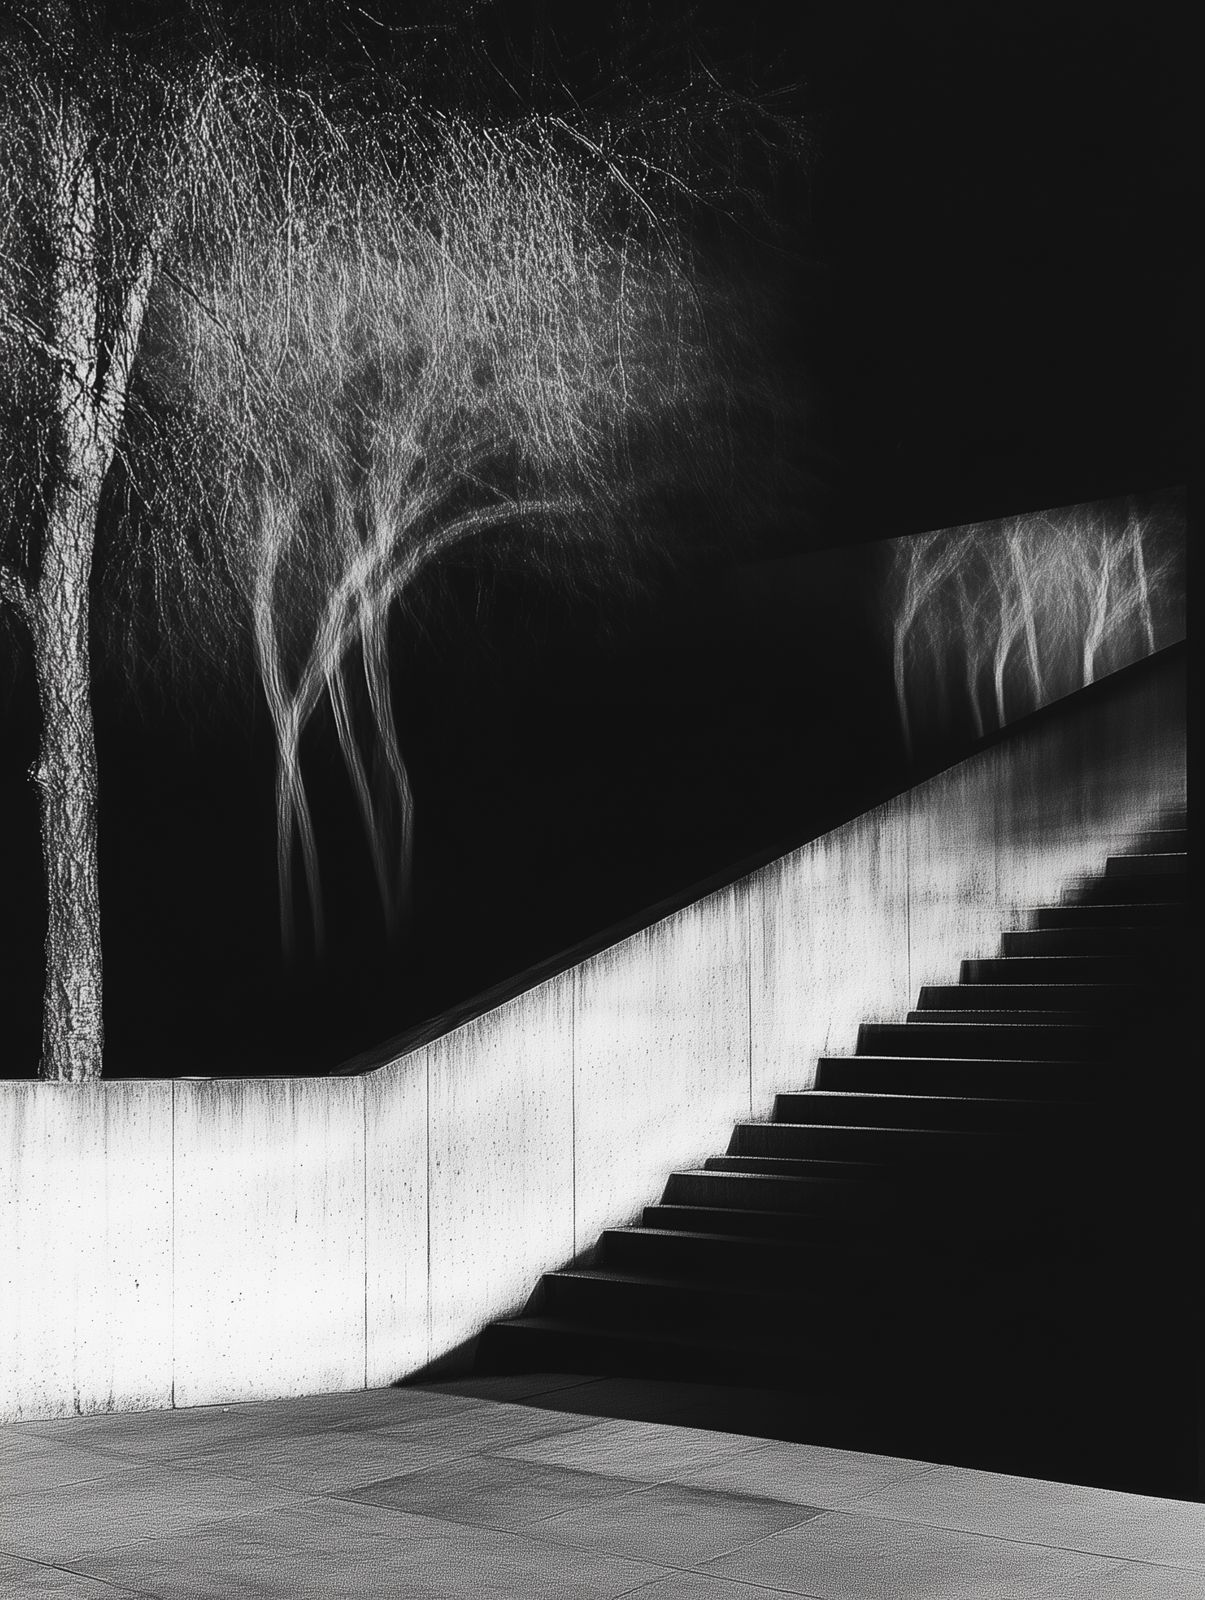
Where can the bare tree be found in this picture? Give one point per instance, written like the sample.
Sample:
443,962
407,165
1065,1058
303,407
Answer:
462,344
112,169
77,266
320,355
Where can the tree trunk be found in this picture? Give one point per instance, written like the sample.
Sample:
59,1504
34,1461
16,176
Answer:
72,1028
91,404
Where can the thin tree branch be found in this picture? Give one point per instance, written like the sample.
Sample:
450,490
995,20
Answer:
17,595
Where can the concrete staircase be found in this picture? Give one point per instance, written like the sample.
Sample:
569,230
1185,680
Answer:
975,1240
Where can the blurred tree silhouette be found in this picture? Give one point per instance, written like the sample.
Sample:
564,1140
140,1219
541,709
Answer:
282,339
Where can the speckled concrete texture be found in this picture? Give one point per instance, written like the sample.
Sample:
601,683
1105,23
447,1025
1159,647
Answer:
501,1159
268,1238
661,1057
85,1246
397,1331
829,948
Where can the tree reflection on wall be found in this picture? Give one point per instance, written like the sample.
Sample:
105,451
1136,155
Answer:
991,621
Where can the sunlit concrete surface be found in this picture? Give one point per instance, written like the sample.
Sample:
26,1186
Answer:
195,1242
501,1166
86,1200
829,949
268,1243
396,1220
443,1494
661,1065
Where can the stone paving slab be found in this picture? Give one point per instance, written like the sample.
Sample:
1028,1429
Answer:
673,1525
30,1580
412,1494
490,1492
843,1556
651,1451
305,1552
1136,1526
818,1475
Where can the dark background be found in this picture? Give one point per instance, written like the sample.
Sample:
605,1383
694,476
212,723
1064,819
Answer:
981,280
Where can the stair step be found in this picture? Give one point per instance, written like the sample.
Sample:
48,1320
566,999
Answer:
786,1276
549,1344
865,1159
896,1112
726,1256
804,1323
779,1305
998,1231
1154,915
938,1075
1074,938
1015,1015
1165,863
605,1299
749,1223
848,1368
815,1197
1147,888
1017,1041
908,1153
829,1253
1161,841
1041,971
1080,997
904,1205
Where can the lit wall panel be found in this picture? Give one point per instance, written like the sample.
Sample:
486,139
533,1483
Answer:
85,1247
829,947
396,1245
501,1159
661,1056
269,1237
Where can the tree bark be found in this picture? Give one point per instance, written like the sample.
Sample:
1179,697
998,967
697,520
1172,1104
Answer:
72,1027
93,385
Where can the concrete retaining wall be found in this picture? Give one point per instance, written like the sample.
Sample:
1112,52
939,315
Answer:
183,1243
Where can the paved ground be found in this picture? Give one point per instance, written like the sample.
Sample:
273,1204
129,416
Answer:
438,1495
